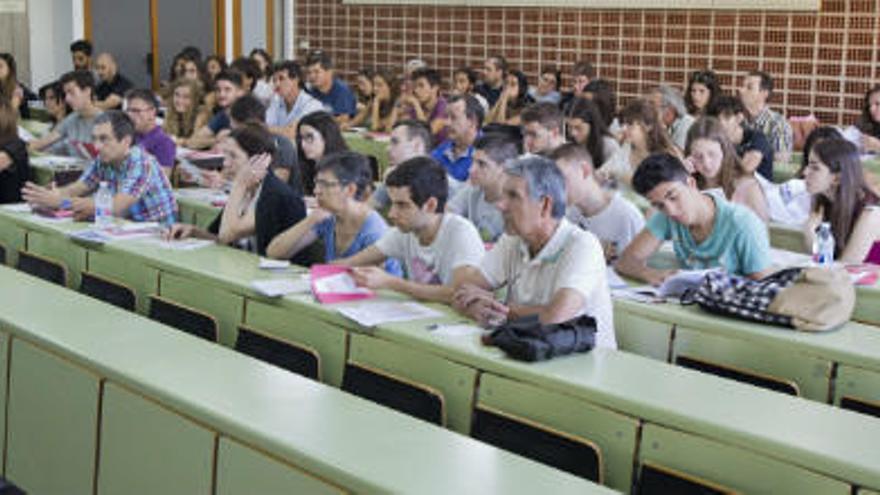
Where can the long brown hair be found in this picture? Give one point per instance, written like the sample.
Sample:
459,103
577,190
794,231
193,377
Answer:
9,85
709,128
643,112
866,122
183,124
8,122
843,207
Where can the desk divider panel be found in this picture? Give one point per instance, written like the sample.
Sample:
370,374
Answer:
860,386
5,339
732,467
59,248
811,374
241,469
226,307
614,434
454,381
147,448
13,238
143,279
641,335
330,341
52,422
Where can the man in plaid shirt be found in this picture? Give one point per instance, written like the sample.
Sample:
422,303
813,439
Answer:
141,192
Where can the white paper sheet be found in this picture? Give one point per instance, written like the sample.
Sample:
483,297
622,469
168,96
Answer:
372,313
340,283
281,286
270,264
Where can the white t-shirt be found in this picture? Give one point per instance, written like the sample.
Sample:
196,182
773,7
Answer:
456,244
618,223
572,259
470,203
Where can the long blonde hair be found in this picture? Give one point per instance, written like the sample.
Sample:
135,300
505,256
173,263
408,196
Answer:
182,124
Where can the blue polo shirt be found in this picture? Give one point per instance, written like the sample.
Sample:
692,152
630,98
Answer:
457,166
339,100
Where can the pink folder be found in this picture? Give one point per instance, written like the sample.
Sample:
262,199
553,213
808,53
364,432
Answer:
333,284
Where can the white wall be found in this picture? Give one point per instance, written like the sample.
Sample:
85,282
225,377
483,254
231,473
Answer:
53,25
253,26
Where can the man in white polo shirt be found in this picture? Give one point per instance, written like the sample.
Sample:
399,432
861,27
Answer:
550,267
435,247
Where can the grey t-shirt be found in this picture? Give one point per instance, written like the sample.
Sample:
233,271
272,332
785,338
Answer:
618,223
74,129
470,203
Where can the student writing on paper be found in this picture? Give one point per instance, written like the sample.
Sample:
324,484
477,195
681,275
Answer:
549,266
260,205
435,247
705,229
141,191
343,220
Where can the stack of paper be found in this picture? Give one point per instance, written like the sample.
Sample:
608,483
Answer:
372,313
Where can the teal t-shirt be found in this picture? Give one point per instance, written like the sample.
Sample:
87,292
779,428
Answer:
738,243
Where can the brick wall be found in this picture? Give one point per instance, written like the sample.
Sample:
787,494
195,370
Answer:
822,62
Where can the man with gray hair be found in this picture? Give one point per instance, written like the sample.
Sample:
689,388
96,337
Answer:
550,267
673,113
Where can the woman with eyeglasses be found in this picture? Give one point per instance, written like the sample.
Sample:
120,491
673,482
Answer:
841,196
344,220
702,89
586,127
717,166
317,135
260,205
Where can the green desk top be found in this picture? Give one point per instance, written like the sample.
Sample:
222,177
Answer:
349,440
836,442
368,145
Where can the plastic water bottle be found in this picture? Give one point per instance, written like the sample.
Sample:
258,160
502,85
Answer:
103,206
823,246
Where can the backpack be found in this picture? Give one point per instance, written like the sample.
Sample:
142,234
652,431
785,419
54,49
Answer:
809,299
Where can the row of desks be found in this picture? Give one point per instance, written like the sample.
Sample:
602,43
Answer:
638,407
174,414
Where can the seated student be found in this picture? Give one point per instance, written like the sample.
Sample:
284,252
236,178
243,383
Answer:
263,87
586,127
112,85
228,88
550,267
604,212
364,93
643,135
11,90
869,121
706,231
250,73
492,85
331,91
549,84
214,65
673,113
755,92
386,91
343,220
542,128
717,167
185,114
601,92
317,136
465,117
81,55
425,102
260,206
841,196
141,192
141,105
435,247
512,101
68,136
754,150
248,110
702,90
14,165
52,95
409,139
476,200
464,82
582,72
291,102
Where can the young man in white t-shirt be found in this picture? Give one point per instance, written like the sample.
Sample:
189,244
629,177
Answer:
435,248
607,214
550,267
